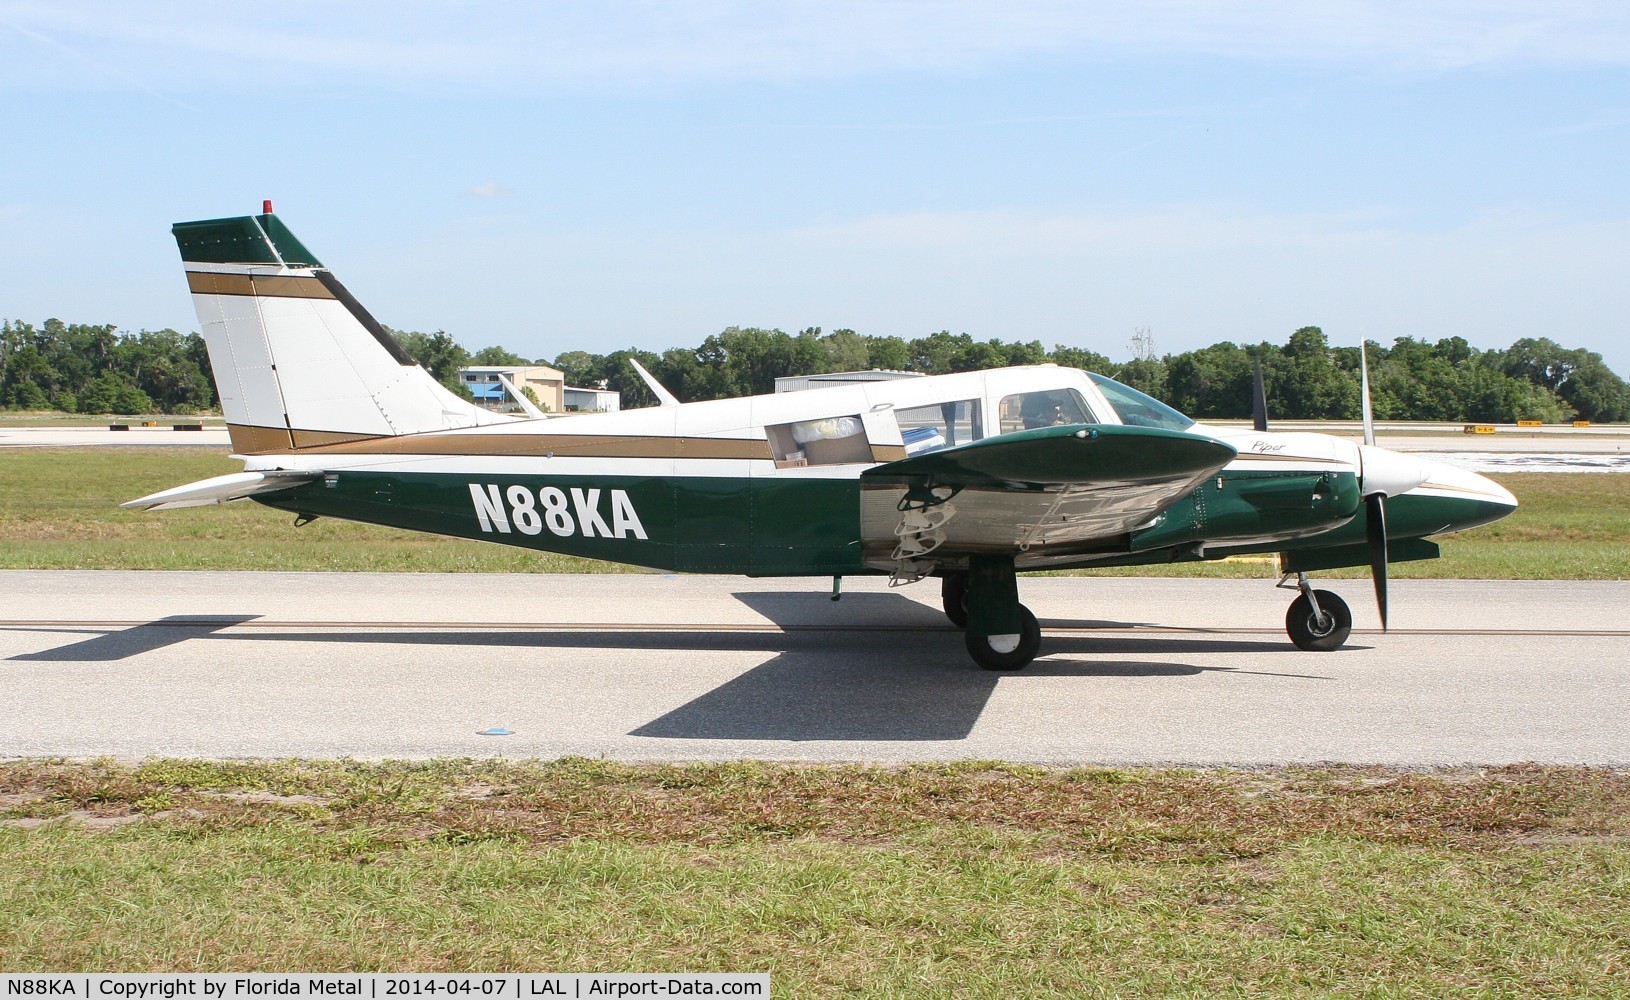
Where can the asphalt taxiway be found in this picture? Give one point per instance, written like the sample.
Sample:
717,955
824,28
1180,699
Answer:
656,667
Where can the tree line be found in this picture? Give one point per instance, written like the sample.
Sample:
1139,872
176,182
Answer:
96,369
79,368
1305,378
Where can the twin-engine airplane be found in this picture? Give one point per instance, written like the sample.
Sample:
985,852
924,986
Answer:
971,478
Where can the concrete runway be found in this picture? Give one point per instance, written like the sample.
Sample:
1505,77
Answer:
653,667
212,436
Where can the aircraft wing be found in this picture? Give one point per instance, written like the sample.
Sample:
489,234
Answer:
1077,453
1046,492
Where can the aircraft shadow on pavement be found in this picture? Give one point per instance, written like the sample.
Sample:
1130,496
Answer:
891,694
125,643
1174,643
818,694
790,609
824,683
895,687
896,691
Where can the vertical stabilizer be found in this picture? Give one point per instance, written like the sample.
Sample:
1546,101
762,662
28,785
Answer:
298,361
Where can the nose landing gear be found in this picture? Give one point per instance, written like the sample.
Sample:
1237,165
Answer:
1318,620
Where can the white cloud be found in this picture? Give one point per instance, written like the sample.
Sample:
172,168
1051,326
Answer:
489,189
417,43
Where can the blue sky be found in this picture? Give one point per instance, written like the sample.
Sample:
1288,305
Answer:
556,176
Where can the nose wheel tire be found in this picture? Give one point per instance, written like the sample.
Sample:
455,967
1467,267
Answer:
954,596
1320,631
1003,652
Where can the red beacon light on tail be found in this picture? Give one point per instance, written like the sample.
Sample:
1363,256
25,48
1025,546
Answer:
266,207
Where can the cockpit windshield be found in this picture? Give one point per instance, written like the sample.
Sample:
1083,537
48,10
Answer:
1137,409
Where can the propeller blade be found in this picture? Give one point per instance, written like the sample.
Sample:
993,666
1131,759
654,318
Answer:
1364,391
1259,401
1375,525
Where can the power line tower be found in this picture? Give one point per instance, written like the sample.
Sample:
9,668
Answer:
1142,344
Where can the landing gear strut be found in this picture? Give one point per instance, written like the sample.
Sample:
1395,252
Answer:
954,597
1318,620
1002,634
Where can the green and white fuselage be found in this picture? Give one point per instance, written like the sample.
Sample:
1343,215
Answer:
968,477
694,488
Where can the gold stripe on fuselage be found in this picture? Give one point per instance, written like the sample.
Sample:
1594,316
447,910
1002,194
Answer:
266,286
1257,456
250,440
275,440
1467,490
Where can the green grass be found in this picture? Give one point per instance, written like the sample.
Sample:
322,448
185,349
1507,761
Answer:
944,880
56,418
60,511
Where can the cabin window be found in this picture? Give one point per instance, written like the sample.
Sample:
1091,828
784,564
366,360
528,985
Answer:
828,441
1027,410
939,425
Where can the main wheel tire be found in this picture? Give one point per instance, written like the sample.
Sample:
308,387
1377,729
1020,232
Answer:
979,646
1308,632
954,596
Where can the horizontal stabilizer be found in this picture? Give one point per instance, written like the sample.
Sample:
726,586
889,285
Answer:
1081,454
222,489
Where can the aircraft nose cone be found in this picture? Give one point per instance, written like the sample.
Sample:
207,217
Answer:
1496,493
1392,473
1460,499
1450,479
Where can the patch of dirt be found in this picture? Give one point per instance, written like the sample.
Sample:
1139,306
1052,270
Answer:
267,798
478,791
1570,839
78,817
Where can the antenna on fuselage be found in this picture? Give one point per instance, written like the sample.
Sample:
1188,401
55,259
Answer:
1259,400
664,397
530,407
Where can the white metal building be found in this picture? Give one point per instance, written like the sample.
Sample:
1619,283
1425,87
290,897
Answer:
548,384
580,400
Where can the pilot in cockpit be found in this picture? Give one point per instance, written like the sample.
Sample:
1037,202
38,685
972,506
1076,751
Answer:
1045,413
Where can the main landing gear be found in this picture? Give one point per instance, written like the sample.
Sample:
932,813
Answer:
954,596
1002,634
1318,620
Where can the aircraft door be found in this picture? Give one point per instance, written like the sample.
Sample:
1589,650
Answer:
804,513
